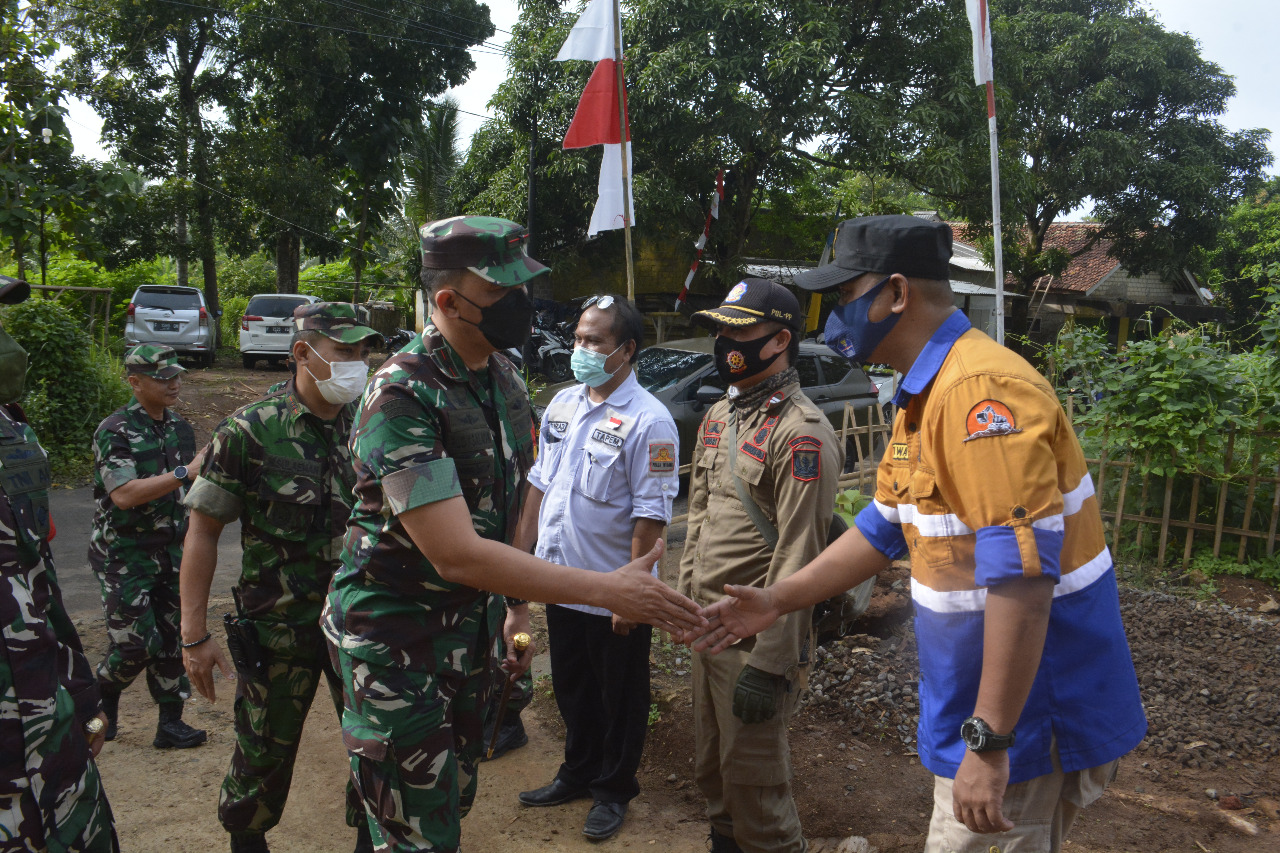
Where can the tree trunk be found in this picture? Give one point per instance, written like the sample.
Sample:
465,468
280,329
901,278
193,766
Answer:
288,258
19,247
181,248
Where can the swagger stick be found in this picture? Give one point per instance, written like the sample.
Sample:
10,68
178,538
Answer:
519,642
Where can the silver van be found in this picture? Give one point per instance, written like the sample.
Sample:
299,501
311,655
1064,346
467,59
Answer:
171,315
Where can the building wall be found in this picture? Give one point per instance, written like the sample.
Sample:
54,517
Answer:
1147,288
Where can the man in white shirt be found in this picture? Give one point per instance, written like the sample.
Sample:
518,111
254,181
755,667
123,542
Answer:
600,495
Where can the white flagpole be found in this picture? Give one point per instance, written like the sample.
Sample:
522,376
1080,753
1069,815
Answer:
995,208
982,57
622,133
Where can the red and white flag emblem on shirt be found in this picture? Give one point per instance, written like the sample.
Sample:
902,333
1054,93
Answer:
596,120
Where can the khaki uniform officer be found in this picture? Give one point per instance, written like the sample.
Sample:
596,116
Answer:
761,495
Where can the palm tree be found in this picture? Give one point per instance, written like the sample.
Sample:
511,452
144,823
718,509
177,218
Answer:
429,160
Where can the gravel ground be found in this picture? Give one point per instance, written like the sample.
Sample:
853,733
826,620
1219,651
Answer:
1208,675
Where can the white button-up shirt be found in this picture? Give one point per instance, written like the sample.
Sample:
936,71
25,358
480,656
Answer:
600,467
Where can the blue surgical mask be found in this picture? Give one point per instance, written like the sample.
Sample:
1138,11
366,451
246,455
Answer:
588,366
850,331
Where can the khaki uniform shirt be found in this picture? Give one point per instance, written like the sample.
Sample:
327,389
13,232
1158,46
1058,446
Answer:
789,459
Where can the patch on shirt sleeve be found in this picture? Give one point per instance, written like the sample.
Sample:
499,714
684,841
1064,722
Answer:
806,458
990,418
662,457
711,435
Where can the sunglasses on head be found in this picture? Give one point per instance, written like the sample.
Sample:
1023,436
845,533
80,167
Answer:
601,302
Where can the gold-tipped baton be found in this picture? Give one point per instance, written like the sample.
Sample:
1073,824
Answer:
519,642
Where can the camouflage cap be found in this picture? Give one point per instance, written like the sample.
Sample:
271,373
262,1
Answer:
338,321
492,248
155,360
13,290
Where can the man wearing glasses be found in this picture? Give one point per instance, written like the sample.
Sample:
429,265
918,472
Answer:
599,495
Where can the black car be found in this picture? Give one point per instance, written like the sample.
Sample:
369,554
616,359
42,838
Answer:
676,371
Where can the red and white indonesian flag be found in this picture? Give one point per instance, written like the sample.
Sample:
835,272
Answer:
980,24
596,121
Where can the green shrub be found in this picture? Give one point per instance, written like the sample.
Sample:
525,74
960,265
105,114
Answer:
233,308
245,277
72,382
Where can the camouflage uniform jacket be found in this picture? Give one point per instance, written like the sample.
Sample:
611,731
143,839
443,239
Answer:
130,445
428,430
43,671
287,475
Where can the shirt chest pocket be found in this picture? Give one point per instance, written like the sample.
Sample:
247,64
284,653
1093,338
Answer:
936,525
600,468
293,503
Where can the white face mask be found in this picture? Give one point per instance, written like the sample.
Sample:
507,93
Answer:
346,379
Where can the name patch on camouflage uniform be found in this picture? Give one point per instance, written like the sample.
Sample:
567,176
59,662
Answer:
900,452
289,465
662,457
806,458
401,409
711,435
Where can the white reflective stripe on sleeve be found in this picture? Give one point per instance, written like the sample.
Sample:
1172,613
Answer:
946,524
975,600
1074,499
888,513
1053,523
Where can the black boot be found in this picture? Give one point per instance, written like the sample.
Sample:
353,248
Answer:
723,843
364,840
511,736
110,707
172,733
248,842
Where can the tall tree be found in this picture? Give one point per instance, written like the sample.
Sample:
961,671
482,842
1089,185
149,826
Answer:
156,72
1244,264
331,104
1097,103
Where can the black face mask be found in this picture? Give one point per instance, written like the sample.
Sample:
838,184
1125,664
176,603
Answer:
506,323
739,360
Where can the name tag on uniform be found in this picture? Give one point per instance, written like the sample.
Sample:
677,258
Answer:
609,438
900,453
612,430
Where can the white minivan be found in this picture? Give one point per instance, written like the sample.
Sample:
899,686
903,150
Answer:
266,329
171,315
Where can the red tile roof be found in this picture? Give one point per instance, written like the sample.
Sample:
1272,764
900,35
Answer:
1087,267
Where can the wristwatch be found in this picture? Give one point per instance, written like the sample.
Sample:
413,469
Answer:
978,736
180,472
94,727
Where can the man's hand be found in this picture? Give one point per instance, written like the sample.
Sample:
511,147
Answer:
96,741
621,626
635,595
744,612
197,462
199,661
515,665
756,695
977,794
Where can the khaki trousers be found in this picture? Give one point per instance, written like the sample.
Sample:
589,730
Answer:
743,771
1041,809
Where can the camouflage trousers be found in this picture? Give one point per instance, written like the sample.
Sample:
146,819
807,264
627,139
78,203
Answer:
51,795
140,599
268,726
415,740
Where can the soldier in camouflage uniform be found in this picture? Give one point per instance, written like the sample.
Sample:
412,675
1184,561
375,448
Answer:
280,465
142,453
442,445
51,725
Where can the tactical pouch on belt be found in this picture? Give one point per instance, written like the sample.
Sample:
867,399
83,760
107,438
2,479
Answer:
246,649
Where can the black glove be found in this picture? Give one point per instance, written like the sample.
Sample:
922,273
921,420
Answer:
756,695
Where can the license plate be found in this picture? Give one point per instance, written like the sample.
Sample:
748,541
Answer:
277,330
166,327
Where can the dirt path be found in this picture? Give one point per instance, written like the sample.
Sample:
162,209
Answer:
851,777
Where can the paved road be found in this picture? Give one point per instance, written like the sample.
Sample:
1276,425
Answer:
72,511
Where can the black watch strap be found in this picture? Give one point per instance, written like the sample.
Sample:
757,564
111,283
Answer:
978,736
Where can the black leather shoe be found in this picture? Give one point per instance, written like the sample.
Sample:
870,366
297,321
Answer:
723,843
364,839
511,736
553,795
604,820
172,733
